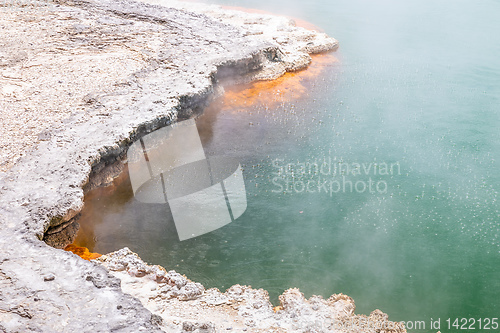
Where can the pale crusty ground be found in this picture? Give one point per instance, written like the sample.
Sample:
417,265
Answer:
46,74
52,71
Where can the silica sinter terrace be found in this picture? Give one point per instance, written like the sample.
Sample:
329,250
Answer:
377,178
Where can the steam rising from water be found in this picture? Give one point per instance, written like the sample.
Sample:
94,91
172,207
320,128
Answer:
417,83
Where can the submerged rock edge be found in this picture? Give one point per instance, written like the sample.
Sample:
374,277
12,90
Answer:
182,303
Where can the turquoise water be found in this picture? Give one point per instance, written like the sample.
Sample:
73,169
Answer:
417,87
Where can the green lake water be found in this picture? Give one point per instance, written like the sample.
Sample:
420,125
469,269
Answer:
416,92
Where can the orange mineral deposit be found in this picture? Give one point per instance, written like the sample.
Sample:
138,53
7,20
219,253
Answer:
82,252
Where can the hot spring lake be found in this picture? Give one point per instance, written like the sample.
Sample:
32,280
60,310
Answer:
413,100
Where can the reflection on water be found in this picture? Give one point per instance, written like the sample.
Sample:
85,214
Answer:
269,94
98,201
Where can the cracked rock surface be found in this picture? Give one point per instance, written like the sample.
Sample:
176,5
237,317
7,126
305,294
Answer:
79,81
47,290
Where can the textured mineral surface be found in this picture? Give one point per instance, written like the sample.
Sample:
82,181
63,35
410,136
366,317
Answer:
185,305
81,80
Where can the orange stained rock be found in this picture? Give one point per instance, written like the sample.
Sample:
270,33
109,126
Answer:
82,252
288,87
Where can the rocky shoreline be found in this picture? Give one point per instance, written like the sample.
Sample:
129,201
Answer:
80,81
